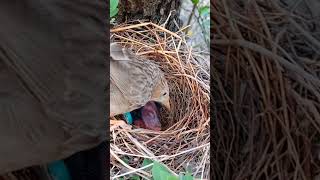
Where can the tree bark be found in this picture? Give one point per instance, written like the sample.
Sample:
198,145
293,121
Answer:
156,11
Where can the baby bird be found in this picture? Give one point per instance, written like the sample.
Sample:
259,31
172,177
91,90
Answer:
149,117
134,82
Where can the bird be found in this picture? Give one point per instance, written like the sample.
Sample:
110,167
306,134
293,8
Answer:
149,117
134,81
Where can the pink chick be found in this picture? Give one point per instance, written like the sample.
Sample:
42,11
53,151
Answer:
149,117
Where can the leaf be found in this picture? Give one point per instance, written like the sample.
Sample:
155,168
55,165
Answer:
114,7
126,160
204,11
135,177
195,2
185,176
146,162
172,178
114,4
114,12
160,172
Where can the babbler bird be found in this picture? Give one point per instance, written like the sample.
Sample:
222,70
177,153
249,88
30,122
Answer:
134,82
52,81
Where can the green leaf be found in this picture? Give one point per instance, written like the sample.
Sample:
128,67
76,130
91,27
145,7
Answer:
204,11
160,172
114,7
135,177
114,4
125,159
146,162
195,2
114,12
185,176
172,178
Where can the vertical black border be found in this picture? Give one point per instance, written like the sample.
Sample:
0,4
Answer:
213,85
107,15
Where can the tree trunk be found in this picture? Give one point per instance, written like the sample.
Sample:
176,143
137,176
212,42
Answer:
156,11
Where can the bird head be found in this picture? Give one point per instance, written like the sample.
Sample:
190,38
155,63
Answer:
117,52
160,93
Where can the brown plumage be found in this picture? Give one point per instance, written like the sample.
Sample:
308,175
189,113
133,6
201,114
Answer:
134,82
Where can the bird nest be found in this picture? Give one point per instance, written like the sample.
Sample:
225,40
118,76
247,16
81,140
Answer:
266,71
184,142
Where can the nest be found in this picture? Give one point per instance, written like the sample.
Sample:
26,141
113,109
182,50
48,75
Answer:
266,71
185,140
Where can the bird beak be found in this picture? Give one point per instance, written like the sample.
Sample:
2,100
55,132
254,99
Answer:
167,104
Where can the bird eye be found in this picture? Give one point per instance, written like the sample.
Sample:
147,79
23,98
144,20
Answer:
164,93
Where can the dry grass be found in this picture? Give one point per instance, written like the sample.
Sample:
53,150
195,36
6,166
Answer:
266,67
186,138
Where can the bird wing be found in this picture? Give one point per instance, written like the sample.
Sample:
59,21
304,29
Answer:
121,73
118,103
120,70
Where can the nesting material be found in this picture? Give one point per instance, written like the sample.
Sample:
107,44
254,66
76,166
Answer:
266,71
185,138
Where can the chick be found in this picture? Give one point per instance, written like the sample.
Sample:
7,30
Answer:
134,82
149,117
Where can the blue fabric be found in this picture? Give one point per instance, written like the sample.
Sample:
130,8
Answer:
128,117
58,171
